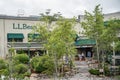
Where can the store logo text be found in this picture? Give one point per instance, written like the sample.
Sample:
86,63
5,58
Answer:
21,26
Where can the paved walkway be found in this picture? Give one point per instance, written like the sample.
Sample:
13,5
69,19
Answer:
81,74
82,71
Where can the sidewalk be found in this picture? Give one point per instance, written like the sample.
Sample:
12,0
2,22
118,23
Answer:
81,74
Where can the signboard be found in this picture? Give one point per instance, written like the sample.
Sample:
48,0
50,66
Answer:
22,26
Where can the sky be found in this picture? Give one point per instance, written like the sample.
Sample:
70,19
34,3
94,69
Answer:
67,8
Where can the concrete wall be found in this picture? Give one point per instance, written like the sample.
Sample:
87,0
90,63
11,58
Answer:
2,37
6,26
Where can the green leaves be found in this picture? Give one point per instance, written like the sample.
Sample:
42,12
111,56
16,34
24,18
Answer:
58,41
94,71
20,68
61,40
22,58
93,23
104,32
110,32
3,67
43,64
3,64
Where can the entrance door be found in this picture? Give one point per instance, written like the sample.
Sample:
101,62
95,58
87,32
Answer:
89,54
87,51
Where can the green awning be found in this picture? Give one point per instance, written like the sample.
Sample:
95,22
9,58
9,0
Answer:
106,23
15,35
33,36
85,42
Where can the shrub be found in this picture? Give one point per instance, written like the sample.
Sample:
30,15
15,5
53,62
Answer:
3,64
4,72
20,68
94,71
20,71
43,64
27,74
119,69
3,67
76,57
106,71
34,62
22,58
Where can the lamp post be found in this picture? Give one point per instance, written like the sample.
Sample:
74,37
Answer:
111,72
10,60
113,59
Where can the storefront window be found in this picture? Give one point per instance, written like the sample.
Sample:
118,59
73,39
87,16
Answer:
117,53
15,40
117,62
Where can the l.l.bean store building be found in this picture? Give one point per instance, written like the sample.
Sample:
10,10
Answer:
14,33
18,29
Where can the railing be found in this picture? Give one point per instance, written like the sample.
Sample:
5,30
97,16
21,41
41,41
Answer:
19,45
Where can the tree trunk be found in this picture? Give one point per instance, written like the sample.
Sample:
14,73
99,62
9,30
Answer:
97,53
55,63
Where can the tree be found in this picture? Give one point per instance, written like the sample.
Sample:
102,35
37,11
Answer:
62,39
44,28
50,18
110,33
59,41
104,33
93,25
61,33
